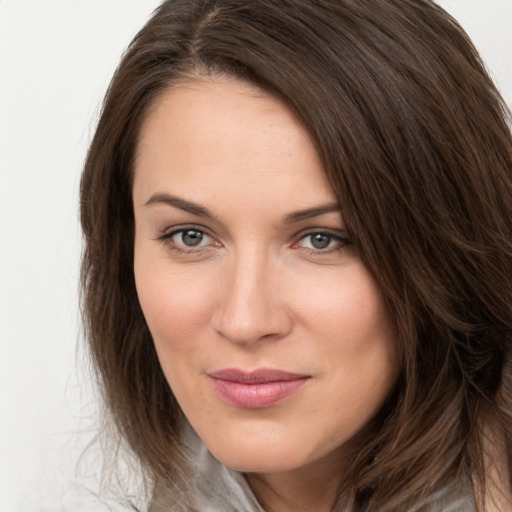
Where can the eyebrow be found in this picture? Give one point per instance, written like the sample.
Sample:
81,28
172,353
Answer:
310,213
182,204
201,211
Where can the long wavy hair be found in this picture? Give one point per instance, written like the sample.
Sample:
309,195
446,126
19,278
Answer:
415,141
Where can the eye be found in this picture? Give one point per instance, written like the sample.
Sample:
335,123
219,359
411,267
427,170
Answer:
321,241
187,239
318,240
190,237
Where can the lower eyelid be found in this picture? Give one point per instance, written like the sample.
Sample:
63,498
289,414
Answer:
204,245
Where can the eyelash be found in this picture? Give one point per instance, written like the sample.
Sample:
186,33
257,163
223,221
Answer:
341,242
166,238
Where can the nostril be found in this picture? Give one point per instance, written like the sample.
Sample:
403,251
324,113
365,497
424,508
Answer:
266,324
250,306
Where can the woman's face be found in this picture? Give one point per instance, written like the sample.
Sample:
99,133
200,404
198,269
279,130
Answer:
271,332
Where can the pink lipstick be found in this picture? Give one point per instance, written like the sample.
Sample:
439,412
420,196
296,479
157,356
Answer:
256,389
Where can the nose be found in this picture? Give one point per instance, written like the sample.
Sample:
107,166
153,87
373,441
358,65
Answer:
251,307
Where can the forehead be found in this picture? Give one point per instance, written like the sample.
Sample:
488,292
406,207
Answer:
219,138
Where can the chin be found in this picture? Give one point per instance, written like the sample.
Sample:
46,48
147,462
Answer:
257,463
260,457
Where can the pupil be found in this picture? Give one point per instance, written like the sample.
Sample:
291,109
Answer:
320,241
192,237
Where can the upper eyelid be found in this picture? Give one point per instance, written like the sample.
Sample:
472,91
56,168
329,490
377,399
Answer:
170,231
301,234
335,232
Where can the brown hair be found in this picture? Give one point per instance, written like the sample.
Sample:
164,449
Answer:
414,140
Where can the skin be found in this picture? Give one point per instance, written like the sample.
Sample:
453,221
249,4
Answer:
256,292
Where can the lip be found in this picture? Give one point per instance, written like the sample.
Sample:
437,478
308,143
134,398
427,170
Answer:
256,389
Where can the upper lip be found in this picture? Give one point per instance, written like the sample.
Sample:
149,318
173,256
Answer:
259,376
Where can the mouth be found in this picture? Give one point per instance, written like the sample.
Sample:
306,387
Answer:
256,389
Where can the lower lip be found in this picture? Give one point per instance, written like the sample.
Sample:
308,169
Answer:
258,395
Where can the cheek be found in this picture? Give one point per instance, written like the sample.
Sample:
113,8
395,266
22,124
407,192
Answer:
175,306
348,307
354,337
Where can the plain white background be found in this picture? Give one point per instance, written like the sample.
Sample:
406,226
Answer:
56,58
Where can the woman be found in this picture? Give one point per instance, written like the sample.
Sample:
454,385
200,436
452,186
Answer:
297,274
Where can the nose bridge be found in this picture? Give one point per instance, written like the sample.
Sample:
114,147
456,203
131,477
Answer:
251,306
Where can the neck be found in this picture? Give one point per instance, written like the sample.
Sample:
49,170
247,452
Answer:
497,494
311,489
